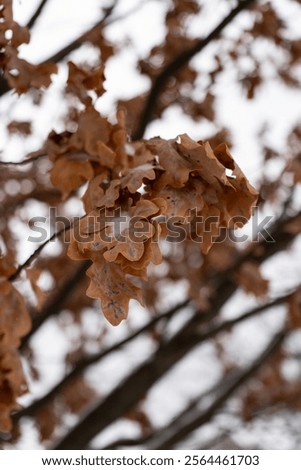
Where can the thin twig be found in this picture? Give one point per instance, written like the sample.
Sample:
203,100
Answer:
24,162
81,366
195,418
56,302
193,407
136,385
222,295
36,14
126,394
180,61
73,45
61,54
36,253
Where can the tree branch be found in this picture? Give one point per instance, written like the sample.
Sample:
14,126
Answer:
187,338
56,303
180,61
24,162
125,443
82,365
36,253
36,14
212,332
73,45
4,86
61,54
128,393
194,419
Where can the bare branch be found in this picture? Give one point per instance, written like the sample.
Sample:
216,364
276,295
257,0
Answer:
196,415
24,162
36,14
187,338
128,393
82,365
54,306
196,418
35,254
61,54
33,156
212,332
180,61
106,20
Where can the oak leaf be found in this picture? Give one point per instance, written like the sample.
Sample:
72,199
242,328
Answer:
135,177
94,195
110,286
81,79
92,129
250,279
241,201
68,174
15,320
14,323
21,75
130,243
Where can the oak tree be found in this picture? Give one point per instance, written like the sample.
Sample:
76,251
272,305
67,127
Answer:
136,218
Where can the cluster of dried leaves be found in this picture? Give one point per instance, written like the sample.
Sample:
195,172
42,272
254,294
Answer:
14,323
176,176
20,74
134,193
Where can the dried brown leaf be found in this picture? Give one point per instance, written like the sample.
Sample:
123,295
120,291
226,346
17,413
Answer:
250,279
19,127
109,285
68,175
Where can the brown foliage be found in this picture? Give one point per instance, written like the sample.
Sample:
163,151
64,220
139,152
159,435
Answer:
136,195
14,323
